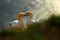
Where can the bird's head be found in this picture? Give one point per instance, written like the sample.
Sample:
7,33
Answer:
25,17
20,15
29,13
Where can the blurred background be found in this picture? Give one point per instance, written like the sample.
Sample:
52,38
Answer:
41,9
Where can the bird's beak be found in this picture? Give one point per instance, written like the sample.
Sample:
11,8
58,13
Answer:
20,15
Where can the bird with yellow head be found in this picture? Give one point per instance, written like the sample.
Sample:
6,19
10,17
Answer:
22,21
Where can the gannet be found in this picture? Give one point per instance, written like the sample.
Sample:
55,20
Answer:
23,20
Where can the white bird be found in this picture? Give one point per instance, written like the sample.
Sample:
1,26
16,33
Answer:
22,22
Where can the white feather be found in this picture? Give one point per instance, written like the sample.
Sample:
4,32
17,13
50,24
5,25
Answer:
25,20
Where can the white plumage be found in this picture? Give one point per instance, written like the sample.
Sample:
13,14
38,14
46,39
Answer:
22,22
15,23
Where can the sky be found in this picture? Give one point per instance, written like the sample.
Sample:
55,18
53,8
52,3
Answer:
41,9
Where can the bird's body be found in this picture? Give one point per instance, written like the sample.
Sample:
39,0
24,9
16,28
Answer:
22,22
20,26
15,23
